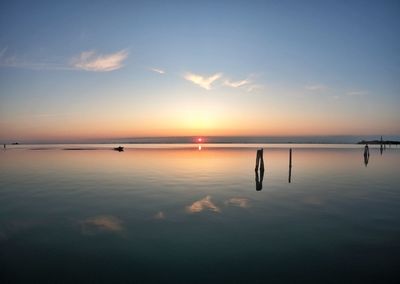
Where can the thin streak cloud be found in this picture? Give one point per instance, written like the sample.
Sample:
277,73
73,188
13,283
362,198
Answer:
157,70
13,61
316,87
3,51
90,61
236,84
254,87
357,93
247,85
201,81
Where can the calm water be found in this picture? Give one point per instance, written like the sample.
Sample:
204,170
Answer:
177,214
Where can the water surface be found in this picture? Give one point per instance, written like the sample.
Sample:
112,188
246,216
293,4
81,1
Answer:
180,214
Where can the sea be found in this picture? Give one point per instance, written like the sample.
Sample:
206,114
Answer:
199,213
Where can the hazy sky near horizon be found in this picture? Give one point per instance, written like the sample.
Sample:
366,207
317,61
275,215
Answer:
104,69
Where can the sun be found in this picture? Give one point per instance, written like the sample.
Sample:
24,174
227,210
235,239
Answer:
199,140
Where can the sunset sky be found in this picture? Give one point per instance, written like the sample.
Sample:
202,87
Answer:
73,70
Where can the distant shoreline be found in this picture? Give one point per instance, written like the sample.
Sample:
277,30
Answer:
370,139
379,142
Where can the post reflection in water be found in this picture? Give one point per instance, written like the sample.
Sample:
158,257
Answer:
290,166
366,159
366,155
259,180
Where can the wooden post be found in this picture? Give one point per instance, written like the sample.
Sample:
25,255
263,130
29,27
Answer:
290,165
259,158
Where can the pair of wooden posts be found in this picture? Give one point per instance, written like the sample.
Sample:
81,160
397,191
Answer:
260,163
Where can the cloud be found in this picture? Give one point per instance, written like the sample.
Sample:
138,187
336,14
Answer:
101,223
247,85
316,87
203,204
157,70
237,201
51,114
254,87
203,82
13,61
357,93
90,61
87,60
236,84
3,51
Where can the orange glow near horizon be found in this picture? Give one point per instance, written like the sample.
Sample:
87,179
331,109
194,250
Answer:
211,121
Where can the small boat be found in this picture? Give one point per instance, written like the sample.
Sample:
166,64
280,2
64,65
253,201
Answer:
119,149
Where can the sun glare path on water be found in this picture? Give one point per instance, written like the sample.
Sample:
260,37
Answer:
199,140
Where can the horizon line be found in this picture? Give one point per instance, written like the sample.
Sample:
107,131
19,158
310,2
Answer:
249,139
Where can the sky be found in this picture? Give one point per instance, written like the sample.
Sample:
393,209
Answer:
75,70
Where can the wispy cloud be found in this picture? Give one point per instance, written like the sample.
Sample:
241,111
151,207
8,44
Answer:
203,82
91,61
157,70
3,51
51,114
357,93
236,84
247,84
254,87
317,87
203,204
13,61
87,60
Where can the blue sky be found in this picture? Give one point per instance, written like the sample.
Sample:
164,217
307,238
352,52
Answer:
86,69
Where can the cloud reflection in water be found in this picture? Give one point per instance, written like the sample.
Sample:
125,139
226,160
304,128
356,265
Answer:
102,223
203,204
238,201
159,216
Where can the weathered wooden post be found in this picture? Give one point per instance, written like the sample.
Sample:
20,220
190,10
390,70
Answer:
366,151
290,165
259,158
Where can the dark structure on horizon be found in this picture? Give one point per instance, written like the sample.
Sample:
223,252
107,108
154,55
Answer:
381,142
